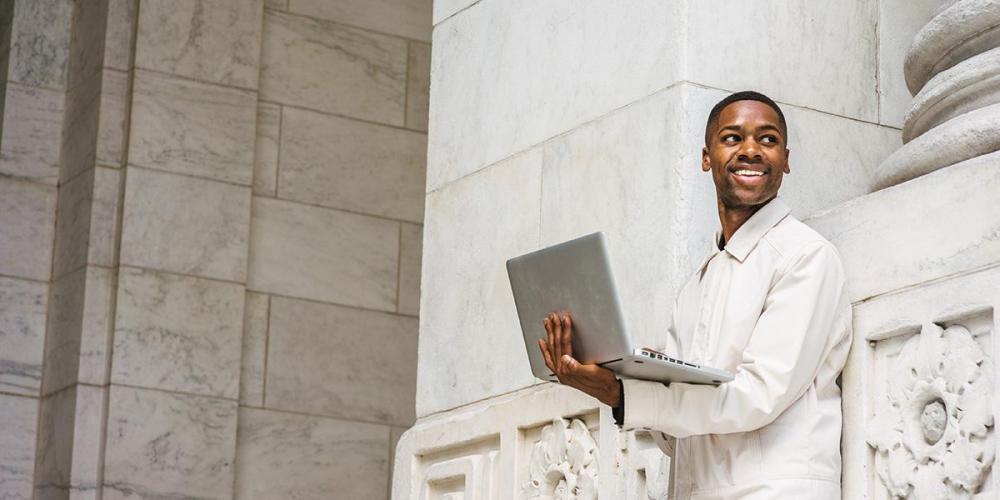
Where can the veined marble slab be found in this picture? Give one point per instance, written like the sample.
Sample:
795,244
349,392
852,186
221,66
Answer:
341,362
122,16
495,93
80,127
71,246
164,445
70,444
405,18
323,254
17,446
282,455
411,252
467,312
192,128
40,43
22,335
334,68
178,333
104,216
255,325
211,40
352,165
185,225
265,171
418,86
27,226
113,117
32,133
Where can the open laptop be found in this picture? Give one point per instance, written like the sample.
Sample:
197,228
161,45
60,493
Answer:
575,277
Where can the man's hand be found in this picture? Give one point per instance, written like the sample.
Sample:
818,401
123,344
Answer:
557,349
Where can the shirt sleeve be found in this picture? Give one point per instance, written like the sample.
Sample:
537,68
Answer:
806,308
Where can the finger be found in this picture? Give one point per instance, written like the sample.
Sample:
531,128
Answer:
567,343
546,356
557,328
549,334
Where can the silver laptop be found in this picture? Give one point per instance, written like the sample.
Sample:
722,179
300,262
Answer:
575,277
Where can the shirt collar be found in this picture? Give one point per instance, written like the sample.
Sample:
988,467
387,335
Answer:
750,233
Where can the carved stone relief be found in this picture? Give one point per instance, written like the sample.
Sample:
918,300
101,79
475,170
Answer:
935,440
563,463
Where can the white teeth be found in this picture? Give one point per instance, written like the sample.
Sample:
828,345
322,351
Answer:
747,172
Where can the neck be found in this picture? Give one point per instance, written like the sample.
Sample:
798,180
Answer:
734,217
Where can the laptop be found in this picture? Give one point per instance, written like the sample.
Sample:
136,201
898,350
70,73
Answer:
576,277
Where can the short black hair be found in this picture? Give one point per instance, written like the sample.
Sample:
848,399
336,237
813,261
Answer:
746,95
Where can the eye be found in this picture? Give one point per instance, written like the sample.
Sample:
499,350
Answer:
769,139
730,138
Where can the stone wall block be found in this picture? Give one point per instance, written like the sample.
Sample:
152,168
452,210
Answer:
323,254
163,445
334,68
216,41
467,313
828,53
40,43
411,253
22,335
341,362
185,225
104,215
326,456
71,247
418,86
265,170
443,9
65,327
27,227
118,43
405,18
495,94
80,127
192,128
17,446
361,167
71,444
256,316
32,133
178,333
113,118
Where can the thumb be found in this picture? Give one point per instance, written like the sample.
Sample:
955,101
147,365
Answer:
569,363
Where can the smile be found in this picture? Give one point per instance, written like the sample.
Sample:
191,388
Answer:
752,173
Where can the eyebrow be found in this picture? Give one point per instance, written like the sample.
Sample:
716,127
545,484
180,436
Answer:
762,127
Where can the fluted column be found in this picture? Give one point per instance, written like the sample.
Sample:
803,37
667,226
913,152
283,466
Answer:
953,71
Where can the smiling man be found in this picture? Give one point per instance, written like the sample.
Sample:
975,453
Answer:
768,303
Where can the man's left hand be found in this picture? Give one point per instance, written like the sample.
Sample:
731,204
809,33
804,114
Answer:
557,349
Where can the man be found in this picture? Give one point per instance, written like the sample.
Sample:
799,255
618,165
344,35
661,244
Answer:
768,303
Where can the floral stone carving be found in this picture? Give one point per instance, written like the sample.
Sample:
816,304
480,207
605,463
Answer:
563,463
935,440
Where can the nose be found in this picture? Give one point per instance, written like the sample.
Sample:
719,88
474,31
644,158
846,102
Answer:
749,149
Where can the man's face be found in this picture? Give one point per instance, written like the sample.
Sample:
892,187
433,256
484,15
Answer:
746,154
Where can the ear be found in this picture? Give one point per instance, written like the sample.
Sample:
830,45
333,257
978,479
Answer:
788,169
706,161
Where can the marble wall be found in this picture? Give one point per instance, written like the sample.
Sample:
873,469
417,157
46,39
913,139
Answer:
210,238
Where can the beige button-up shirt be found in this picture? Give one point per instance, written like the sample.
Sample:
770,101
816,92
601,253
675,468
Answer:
771,308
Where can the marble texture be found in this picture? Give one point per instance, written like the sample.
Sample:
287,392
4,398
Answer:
22,335
898,22
71,443
79,329
113,118
281,455
216,41
341,362
265,170
104,215
71,247
323,254
80,127
17,446
178,333
185,225
467,312
352,165
256,316
961,30
495,94
86,45
405,18
40,43
418,86
924,229
827,52
443,9
334,68
32,132
27,228
410,254
192,128
164,445
122,16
